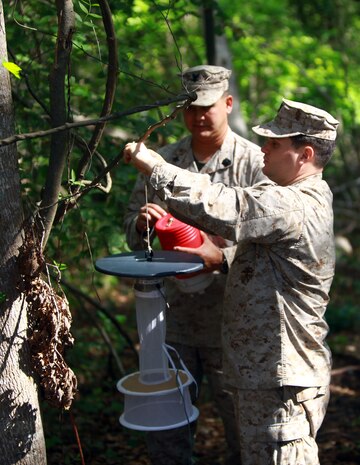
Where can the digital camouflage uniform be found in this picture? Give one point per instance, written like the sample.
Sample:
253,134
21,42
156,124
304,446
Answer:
194,320
275,300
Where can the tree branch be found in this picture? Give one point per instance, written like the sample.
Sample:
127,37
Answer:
59,144
68,126
112,73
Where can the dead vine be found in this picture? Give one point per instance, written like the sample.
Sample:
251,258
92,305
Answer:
49,322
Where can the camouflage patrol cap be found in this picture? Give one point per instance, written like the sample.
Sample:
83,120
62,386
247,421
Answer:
295,118
209,83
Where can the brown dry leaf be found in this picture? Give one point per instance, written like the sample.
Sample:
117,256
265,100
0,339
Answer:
49,323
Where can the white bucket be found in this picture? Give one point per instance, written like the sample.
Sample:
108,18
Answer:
157,407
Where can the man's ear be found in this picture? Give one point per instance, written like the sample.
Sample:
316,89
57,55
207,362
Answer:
229,104
308,154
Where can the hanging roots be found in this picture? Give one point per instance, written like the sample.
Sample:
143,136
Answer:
49,324
49,321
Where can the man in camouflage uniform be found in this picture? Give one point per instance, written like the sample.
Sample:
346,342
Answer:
193,320
275,355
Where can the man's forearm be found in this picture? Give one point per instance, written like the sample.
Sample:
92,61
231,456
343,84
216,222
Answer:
195,198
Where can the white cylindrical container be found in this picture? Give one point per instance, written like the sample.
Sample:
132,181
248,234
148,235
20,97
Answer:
151,324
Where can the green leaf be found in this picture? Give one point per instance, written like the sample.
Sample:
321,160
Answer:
2,297
94,15
83,8
61,266
12,68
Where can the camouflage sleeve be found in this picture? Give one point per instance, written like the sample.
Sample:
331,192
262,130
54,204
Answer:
263,213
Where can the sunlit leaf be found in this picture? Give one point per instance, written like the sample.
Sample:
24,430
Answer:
12,68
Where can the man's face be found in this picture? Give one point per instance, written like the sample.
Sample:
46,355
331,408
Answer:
208,122
281,160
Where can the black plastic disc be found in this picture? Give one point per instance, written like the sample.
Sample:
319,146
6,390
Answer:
138,265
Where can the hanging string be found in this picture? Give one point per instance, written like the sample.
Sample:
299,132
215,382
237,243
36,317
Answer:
149,252
191,96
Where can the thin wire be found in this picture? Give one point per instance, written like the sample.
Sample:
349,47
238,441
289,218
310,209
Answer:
177,370
179,385
149,249
163,296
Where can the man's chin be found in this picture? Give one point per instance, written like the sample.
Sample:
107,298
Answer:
202,132
267,172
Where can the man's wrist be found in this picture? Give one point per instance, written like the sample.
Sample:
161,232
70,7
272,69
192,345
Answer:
148,171
154,161
224,267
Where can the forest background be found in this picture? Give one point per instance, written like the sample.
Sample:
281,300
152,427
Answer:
122,63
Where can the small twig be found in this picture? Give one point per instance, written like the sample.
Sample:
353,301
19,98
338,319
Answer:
343,370
168,118
77,438
104,311
108,342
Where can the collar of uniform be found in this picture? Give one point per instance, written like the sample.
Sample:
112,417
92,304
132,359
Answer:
224,157
180,153
312,178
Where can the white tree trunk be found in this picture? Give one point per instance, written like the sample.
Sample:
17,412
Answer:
21,432
223,58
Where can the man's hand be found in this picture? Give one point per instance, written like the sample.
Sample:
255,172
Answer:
151,213
142,158
208,251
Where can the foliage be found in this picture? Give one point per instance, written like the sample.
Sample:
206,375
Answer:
279,50
146,74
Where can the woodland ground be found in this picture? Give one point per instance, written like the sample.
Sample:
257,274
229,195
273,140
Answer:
95,412
105,442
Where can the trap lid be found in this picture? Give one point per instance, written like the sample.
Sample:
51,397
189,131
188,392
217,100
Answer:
138,265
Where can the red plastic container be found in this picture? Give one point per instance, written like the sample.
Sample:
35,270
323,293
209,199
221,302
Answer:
172,232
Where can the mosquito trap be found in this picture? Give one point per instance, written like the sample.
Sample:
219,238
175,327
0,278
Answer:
157,396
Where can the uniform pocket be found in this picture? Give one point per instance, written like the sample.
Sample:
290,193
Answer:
314,401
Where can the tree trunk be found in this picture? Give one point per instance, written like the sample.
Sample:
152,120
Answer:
21,432
223,58
219,54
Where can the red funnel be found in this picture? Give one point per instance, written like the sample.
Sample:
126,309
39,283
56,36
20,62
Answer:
172,232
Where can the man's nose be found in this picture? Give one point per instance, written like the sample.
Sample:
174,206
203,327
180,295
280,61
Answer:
264,148
199,113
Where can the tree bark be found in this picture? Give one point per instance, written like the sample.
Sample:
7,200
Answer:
219,54
21,433
223,58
